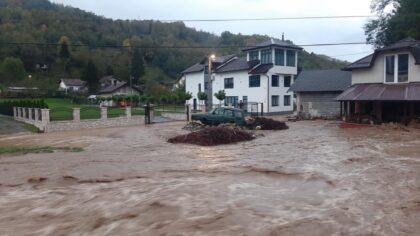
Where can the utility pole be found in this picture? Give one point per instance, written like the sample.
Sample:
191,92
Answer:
210,82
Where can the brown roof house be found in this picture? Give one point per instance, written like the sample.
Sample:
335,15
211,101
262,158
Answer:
385,85
72,86
110,86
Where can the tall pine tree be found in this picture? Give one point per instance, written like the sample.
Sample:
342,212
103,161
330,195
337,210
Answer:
137,67
90,75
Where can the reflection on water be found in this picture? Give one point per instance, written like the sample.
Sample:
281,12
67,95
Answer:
313,179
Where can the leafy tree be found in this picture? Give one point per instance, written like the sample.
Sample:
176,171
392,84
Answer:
90,75
391,26
202,96
221,95
137,66
64,51
12,69
109,70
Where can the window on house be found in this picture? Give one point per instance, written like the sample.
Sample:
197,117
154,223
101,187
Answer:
279,57
206,86
231,100
403,68
274,101
253,55
291,58
254,81
389,69
266,56
199,88
274,81
287,100
396,68
287,81
228,83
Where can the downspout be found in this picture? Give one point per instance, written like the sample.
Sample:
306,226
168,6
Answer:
268,93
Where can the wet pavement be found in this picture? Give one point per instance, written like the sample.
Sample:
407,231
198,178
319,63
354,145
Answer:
8,126
313,179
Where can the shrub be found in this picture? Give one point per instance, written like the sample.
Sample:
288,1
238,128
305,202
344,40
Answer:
6,107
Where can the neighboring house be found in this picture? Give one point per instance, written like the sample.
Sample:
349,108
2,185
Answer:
72,85
316,91
263,77
385,85
111,86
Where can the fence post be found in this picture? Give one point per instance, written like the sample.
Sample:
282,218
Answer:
188,112
36,111
30,113
104,113
152,113
76,114
262,109
14,113
128,112
19,112
24,112
45,116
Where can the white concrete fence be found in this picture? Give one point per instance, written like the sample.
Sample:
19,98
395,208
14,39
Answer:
41,119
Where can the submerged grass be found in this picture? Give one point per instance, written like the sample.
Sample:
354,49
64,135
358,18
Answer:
25,150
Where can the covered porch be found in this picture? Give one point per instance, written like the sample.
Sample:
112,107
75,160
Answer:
381,103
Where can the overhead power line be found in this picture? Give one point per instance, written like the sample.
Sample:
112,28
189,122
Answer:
174,47
351,54
208,20
269,18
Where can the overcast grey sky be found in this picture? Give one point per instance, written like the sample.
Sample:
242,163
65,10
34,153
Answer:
299,31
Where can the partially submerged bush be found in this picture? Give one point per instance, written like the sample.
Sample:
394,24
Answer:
266,124
213,136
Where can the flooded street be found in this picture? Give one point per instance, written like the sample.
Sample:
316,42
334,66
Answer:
313,179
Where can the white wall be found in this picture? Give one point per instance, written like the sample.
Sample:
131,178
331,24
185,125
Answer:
280,91
241,87
376,74
191,84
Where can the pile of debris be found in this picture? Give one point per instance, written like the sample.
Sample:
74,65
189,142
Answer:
213,136
261,123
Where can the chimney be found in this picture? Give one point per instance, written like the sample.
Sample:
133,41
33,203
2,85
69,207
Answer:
282,37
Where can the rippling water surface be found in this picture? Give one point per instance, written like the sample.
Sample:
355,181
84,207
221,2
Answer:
313,179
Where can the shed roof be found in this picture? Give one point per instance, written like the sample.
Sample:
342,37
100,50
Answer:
73,82
321,80
381,92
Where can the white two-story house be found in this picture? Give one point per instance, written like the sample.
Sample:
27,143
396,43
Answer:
385,85
260,80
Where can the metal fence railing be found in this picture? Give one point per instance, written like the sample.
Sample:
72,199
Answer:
61,114
87,113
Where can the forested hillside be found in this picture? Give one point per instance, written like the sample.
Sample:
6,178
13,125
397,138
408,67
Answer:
36,33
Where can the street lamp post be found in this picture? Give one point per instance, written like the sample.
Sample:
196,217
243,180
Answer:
210,82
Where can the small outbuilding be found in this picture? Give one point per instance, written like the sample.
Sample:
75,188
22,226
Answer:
316,91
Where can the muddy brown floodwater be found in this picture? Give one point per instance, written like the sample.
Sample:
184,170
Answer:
313,179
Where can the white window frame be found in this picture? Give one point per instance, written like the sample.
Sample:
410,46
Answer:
396,68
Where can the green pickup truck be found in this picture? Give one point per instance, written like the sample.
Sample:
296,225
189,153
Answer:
221,116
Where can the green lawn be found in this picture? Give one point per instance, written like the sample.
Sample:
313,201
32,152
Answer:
25,150
61,109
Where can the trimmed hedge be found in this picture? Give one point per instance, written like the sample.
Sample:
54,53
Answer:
6,107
